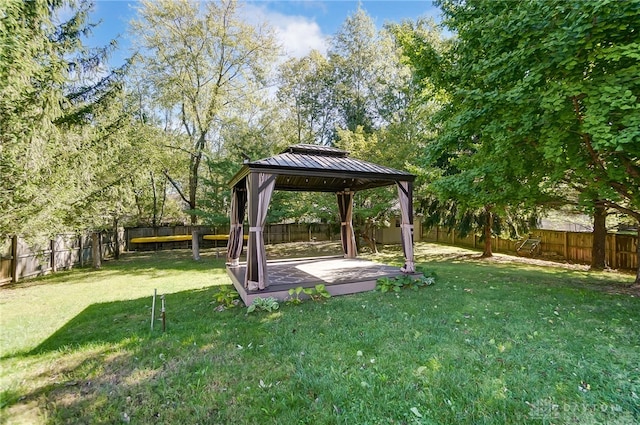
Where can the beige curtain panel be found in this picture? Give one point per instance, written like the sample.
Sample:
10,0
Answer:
256,254
405,194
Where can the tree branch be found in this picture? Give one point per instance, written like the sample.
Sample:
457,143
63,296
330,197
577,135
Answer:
624,210
179,149
177,187
98,191
632,169
184,120
595,159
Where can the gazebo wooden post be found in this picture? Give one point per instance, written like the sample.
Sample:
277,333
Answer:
347,235
252,214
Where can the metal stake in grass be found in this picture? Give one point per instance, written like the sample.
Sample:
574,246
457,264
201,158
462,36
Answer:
164,324
153,308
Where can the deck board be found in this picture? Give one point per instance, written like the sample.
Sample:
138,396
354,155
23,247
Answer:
340,276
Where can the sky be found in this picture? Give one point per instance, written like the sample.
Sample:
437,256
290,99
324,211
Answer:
301,25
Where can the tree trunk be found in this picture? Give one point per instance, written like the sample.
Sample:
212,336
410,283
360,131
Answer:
116,237
164,200
371,242
14,259
193,187
195,244
154,221
599,237
488,225
136,197
636,283
95,250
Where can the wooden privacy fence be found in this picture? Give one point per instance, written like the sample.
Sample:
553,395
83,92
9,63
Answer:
145,232
574,247
19,260
273,233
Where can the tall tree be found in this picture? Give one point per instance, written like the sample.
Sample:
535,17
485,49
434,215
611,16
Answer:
366,67
250,131
376,118
200,58
465,192
306,86
556,83
56,116
155,199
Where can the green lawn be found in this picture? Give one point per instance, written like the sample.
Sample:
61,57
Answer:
491,342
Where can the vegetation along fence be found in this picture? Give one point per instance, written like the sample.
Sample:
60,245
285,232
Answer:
19,259
574,247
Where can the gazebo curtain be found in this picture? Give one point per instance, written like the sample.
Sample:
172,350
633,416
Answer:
345,209
260,188
238,210
405,194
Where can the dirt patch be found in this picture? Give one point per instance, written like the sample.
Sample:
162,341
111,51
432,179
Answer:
504,258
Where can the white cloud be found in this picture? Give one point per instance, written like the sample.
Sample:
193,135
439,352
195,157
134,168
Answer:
298,35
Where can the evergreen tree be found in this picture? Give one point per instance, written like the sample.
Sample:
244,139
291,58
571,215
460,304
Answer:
57,117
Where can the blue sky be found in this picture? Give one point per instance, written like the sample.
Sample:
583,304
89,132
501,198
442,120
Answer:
301,24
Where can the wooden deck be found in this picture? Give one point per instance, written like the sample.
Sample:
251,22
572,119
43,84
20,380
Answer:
340,275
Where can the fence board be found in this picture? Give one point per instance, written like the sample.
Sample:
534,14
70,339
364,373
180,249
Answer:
626,246
5,271
575,247
63,252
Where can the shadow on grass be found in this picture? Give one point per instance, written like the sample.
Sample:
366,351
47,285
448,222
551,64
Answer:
118,321
108,350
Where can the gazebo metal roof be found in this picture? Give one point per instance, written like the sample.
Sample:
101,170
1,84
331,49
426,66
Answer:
321,169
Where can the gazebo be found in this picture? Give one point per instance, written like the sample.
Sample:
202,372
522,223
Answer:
311,168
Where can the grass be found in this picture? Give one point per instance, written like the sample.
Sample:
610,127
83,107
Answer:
489,343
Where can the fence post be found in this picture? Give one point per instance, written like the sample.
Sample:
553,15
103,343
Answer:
14,261
81,253
54,267
565,249
614,252
116,240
